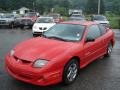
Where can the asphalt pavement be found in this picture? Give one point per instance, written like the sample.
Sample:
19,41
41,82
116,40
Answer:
102,74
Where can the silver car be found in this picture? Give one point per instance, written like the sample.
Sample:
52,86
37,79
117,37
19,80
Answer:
7,20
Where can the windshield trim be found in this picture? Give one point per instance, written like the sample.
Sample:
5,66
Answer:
66,40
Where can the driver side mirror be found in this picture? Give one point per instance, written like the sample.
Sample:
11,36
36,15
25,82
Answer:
90,39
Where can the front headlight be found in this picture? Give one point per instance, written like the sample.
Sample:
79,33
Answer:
12,52
8,21
40,63
34,27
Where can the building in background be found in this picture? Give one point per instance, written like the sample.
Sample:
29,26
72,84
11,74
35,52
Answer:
75,12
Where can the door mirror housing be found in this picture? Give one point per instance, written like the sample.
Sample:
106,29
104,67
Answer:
90,39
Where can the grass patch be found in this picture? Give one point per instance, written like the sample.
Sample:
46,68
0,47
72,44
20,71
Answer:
114,22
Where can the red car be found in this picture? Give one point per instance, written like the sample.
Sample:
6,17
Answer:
28,20
57,17
59,53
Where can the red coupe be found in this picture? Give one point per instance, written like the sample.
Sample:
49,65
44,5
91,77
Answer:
59,53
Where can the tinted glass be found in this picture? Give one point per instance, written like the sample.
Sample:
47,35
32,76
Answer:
93,31
55,16
30,14
68,32
44,20
102,29
8,16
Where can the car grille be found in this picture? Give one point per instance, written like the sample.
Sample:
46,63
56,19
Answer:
2,21
105,24
21,60
42,28
24,75
26,21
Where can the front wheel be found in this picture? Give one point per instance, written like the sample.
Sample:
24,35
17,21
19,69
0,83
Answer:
70,71
34,35
109,50
11,25
21,27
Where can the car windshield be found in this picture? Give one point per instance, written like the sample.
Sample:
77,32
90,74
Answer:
30,14
44,20
65,32
99,18
8,16
55,16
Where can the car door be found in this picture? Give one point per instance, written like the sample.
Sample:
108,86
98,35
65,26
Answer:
93,48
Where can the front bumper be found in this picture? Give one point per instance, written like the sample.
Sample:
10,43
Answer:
32,75
26,22
4,23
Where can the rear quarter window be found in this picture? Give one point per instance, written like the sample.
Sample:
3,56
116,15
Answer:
93,31
102,29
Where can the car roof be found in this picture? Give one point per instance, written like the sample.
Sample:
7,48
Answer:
45,17
98,15
86,23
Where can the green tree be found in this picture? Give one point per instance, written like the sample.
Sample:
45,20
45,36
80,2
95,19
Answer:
116,7
92,7
61,10
102,7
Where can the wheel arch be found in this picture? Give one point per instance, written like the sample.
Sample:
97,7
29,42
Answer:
77,58
112,42
74,57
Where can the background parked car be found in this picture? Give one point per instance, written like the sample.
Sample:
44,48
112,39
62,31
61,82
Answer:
100,19
57,18
42,24
8,20
77,18
28,19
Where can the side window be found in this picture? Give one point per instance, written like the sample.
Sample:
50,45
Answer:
94,31
102,29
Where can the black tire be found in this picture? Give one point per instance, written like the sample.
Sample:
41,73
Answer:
109,50
30,27
21,27
34,35
70,72
11,25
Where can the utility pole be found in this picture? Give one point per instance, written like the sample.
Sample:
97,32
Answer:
34,5
99,2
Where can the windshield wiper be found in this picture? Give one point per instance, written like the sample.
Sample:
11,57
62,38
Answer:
55,37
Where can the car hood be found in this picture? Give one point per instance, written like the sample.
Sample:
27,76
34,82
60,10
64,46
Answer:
21,18
43,25
102,22
41,48
7,19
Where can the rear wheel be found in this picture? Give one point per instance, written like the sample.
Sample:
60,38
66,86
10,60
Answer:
70,71
34,35
30,27
11,25
21,27
109,50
